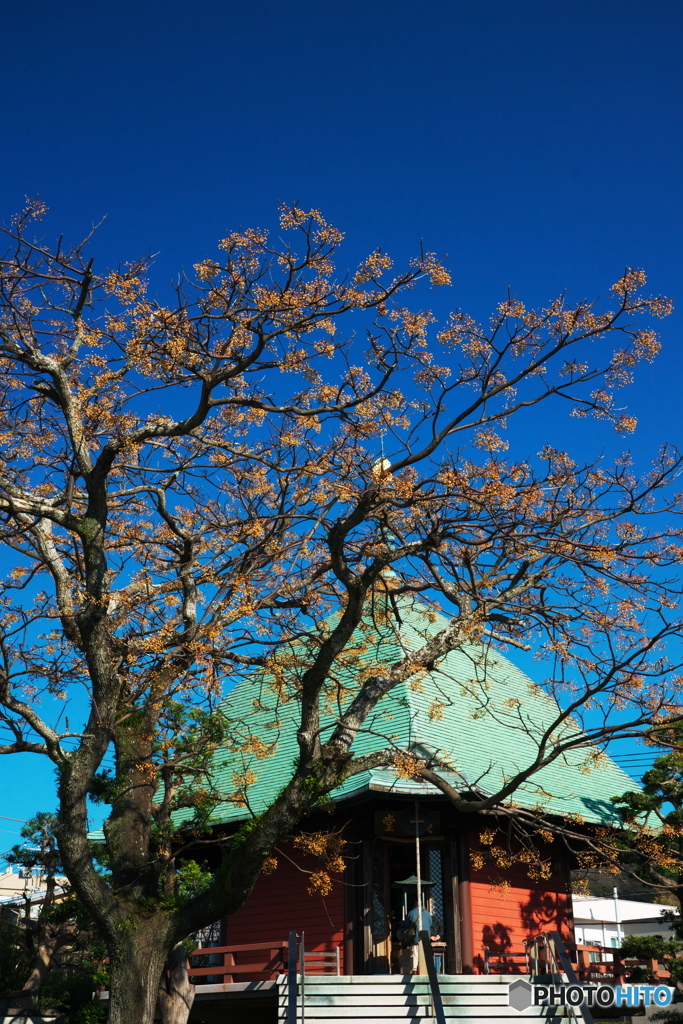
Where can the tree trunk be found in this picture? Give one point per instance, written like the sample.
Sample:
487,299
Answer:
50,939
134,972
47,945
176,991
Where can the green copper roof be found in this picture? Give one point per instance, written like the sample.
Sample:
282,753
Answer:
476,708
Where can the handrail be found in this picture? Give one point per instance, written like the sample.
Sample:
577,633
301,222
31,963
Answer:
505,959
296,982
227,968
302,957
437,1001
232,961
558,958
321,961
291,978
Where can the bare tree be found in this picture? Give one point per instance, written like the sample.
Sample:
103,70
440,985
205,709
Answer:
192,489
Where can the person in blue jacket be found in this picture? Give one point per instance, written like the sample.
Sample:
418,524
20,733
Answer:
430,925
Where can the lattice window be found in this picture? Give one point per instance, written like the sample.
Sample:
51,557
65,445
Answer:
436,890
379,909
208,936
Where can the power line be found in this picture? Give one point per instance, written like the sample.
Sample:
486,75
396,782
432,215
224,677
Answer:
635,758
638,754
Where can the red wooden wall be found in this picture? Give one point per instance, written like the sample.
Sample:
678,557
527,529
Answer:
503,916
280,903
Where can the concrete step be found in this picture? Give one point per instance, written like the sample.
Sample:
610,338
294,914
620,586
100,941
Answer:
399,999
375,995
387,983
413,979
382,1013
499,1000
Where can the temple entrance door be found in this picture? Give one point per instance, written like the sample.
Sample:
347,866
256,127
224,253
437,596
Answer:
376,914
386,863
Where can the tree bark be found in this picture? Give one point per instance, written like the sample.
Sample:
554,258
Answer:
135,969
47,944
176,991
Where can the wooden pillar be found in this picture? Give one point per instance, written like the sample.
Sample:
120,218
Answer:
465,902
452,910
366,906
350,914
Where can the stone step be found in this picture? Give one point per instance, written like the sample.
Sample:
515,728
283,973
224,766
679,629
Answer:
461,1014
403,999
412,979
445,985
386,999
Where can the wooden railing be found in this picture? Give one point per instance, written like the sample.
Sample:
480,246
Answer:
603,963
505,963
590,962
235,962
324,962
264,959
598,963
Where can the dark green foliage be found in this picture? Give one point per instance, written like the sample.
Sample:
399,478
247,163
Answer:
15,957
654,947
651,846
77,967
187,738
69,989
602,883
68,985
39,848
91,1013
661,793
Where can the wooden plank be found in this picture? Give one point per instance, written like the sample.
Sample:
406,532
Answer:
242,948
257,968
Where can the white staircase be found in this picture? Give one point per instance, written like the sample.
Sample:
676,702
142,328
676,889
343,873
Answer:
398,999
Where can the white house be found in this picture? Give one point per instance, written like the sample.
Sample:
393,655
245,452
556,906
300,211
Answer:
22,892
16,882
604,922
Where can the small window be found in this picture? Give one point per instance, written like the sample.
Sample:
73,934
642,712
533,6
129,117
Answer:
613,943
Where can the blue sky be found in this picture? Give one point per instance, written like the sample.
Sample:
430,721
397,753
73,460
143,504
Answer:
537,144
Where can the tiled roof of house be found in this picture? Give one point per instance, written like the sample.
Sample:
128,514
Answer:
476,708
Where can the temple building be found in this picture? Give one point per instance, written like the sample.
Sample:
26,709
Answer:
484,716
